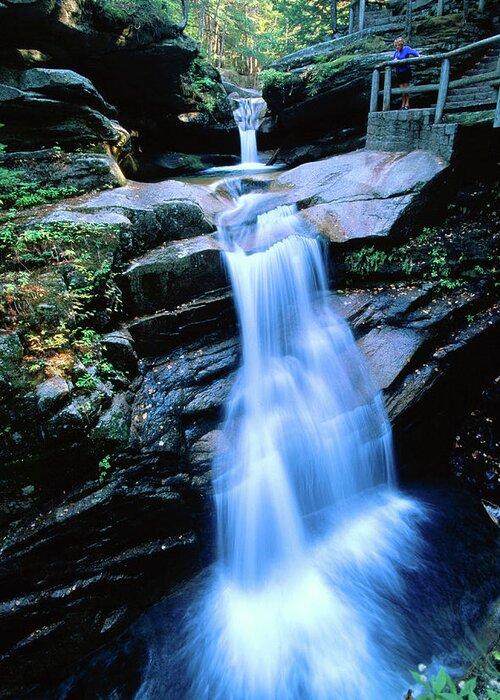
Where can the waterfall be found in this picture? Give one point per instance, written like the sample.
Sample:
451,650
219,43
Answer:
248,115
313,535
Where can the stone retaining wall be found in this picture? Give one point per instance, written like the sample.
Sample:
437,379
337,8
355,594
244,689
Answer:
409,130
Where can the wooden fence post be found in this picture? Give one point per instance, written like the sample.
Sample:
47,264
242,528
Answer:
351,17
496,122
408,22
362,4
386,102
443,90
374,92
440,8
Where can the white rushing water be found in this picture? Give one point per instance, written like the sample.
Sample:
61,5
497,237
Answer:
313,536
248,117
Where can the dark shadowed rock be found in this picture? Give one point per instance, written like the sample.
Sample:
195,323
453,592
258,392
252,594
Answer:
51,168
11,351
51,393
172,275
63,85
113,427
131,535
165,330
118,347
42,122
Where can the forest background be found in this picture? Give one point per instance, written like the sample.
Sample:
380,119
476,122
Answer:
245,35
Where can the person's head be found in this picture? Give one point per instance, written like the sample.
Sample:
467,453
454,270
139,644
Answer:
399,43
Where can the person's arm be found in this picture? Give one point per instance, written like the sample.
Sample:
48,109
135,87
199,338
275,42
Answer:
412,52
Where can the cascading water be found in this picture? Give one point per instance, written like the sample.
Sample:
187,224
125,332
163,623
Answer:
313,536
247,116
330,584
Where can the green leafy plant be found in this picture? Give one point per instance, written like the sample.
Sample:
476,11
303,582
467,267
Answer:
86,381
443,687
202,86
365,261
281,87
104,467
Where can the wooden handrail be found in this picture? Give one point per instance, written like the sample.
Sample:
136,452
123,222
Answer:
440,56
493,78
444,80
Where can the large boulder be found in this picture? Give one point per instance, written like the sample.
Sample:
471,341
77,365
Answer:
42,107
154,213
65,85
54,168
364,194
172,275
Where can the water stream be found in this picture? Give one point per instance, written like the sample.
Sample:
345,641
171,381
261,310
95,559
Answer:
312,533
318,550
247,116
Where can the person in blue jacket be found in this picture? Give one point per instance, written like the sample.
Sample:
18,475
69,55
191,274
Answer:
403,73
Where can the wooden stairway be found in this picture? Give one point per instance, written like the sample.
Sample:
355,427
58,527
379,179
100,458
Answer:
475,97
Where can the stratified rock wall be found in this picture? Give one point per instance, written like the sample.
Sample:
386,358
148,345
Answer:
138,63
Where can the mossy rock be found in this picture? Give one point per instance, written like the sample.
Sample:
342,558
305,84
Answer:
113,427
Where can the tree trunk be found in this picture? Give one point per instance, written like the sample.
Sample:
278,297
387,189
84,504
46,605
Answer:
183,23
212,32
201,22
221,49
333,15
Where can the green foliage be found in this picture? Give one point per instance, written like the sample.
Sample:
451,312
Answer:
155,16
17,193
104,467
430,256
320,77
442,687
56,282
201,86
283,81
365,261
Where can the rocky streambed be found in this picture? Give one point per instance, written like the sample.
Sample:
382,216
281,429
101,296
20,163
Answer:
86,549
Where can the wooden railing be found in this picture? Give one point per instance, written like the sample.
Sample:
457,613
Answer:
492,77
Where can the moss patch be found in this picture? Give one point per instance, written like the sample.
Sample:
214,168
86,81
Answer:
202,88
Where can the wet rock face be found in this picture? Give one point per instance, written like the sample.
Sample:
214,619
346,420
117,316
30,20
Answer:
173,274
70,572
475,456
365,194
179,406
87,546
416,341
